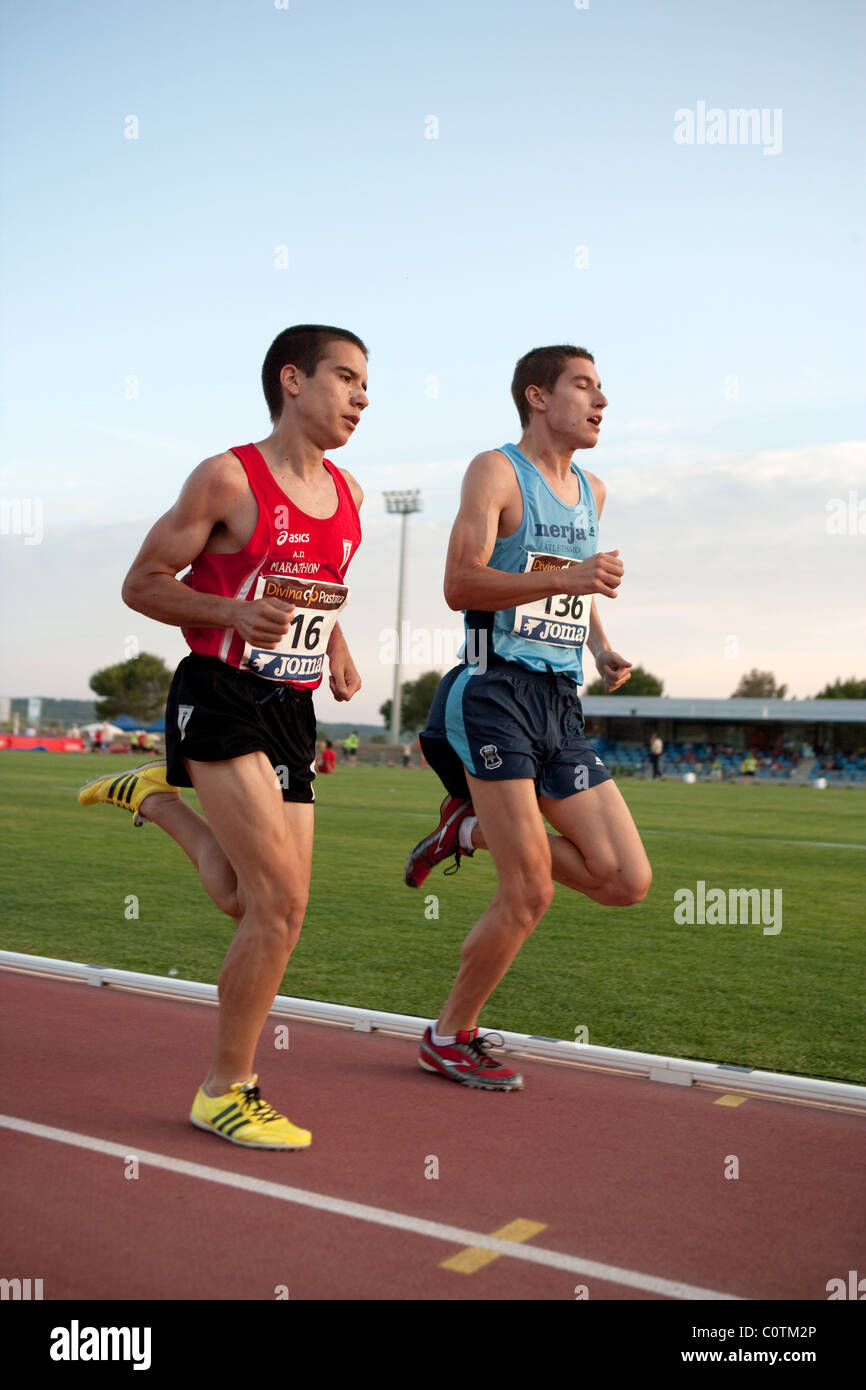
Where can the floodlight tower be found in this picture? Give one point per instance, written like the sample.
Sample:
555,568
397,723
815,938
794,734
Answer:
402,504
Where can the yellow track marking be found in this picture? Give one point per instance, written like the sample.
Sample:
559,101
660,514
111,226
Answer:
473,1258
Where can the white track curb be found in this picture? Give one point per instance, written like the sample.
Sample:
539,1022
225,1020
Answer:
677,1070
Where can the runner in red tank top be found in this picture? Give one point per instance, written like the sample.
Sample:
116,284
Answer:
265,533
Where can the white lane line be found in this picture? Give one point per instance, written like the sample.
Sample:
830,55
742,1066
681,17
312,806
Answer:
754,840
686,834
379,1216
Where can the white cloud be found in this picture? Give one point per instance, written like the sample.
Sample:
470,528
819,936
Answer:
174,446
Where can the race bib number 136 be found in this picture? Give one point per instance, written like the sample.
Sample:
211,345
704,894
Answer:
561,620
300,655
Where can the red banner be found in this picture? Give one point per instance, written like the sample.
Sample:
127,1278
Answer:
51,745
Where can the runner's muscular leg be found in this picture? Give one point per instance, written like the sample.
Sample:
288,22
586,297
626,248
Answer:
269,845
195,837
598,852
515,834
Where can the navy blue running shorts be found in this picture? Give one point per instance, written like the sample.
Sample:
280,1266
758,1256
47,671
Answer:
509,722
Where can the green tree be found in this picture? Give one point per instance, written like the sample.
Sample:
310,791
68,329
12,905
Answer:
416,697
851,689
641,682
137,687
759,685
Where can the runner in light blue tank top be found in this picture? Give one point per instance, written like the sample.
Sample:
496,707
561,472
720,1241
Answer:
549,633
506,732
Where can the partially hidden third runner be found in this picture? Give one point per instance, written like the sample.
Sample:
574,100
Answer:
268,530
505,733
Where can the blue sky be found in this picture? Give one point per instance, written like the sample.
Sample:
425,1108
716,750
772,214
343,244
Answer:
721,291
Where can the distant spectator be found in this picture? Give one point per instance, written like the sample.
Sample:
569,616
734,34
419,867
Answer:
327,758
350,743
656,749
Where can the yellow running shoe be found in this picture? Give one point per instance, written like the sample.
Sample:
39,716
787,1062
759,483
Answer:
242,1117
127,789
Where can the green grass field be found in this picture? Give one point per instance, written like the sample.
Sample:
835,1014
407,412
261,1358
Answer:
789,1002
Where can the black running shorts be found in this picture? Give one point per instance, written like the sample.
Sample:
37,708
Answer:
509,722
215,712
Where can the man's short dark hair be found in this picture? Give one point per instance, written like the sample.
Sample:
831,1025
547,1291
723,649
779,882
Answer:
303,346
541,367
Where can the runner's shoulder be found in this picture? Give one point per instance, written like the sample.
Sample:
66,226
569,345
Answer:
354,487
219,480
491,472
599,490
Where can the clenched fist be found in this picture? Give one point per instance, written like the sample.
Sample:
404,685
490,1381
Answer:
600,574
613,669
263,621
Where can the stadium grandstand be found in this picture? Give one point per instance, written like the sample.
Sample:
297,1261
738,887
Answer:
793,741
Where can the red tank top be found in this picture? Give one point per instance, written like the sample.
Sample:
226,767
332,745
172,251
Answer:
292,556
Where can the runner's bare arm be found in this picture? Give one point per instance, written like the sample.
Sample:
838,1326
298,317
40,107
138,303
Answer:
354,487
210,497
471,583
599,491
343,675
613,669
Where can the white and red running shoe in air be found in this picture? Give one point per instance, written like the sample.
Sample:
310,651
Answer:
443,843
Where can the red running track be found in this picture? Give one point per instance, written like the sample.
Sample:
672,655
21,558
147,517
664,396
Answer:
626,1176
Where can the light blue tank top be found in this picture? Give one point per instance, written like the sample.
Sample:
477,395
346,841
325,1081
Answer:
547,634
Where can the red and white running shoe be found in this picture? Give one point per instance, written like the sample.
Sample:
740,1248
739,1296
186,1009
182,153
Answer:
468,1062
441,844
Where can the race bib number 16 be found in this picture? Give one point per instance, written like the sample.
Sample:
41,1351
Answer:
300,655
561,620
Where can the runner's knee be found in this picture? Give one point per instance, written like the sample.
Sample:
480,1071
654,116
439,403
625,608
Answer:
628,886
527,902
275,906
